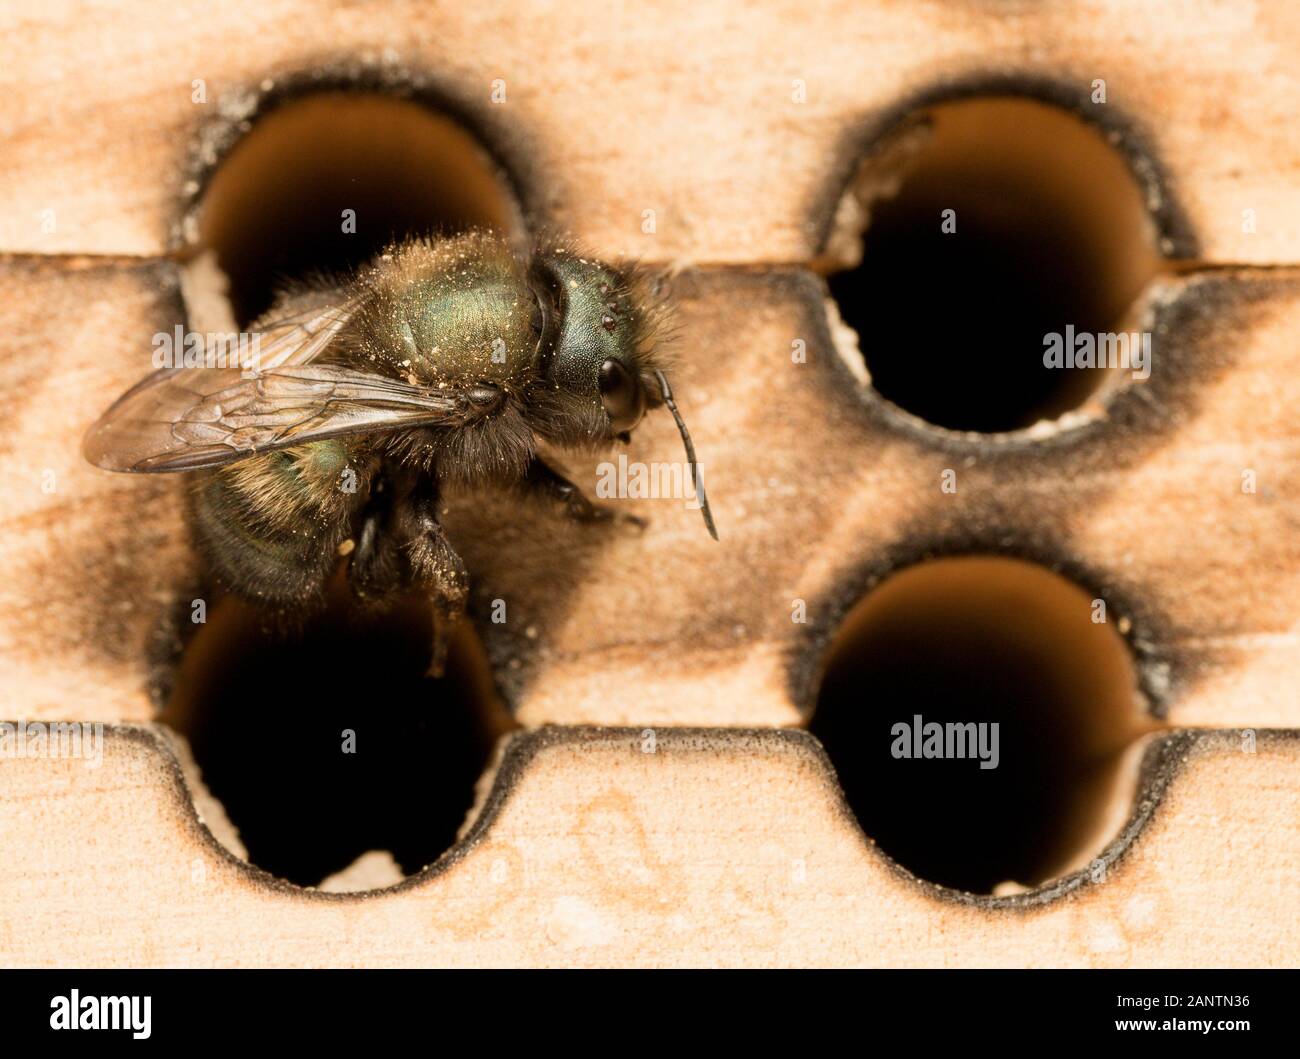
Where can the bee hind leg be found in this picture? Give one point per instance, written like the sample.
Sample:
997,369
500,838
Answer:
434,566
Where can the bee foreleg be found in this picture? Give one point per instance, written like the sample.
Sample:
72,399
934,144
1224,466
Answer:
435,566
544,481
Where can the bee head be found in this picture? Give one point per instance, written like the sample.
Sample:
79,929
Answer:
595,339
596,325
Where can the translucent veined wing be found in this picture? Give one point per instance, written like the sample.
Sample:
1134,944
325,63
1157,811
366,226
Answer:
183,419
206,417
298,338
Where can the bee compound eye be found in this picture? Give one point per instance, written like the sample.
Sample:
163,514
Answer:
621,395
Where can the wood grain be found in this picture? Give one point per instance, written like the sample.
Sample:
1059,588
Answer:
681,108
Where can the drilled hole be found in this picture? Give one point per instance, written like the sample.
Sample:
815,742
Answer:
1048,230
327,741
278,208
984,641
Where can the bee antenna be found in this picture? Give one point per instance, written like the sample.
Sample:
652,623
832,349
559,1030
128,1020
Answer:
667,395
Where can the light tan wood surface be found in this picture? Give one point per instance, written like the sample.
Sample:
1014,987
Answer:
715,848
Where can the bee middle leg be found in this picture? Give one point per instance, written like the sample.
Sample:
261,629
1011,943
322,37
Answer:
543,480
433,565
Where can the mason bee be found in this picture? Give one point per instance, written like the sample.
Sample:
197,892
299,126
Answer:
442,361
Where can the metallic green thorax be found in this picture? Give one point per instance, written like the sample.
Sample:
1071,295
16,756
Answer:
451,312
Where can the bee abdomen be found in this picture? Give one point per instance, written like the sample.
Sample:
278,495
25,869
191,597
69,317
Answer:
270,527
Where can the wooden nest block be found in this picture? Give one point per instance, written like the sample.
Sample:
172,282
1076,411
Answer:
995,662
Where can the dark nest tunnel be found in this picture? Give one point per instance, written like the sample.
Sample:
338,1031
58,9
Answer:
990,223
326,740
965,644
322,184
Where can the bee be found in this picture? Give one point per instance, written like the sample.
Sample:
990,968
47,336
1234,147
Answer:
443,361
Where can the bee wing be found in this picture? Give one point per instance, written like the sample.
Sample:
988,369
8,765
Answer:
298,338
295,338
186,419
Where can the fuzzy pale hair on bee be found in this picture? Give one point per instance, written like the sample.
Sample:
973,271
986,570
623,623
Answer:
442,360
